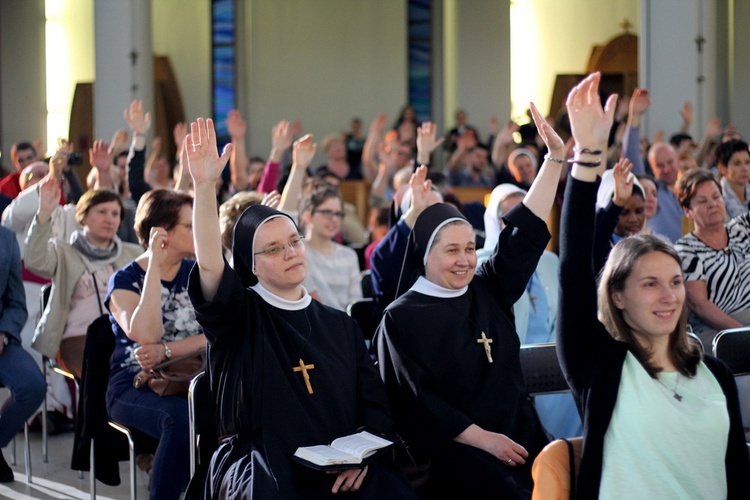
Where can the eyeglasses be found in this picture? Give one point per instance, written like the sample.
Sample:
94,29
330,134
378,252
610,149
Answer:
188,226
294,244
329,214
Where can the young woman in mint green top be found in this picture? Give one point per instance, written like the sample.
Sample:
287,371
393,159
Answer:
661,420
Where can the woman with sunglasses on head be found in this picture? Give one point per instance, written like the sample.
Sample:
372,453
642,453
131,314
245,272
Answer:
661,420
285,371
333,271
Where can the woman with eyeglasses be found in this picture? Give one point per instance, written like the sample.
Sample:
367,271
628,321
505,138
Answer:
286,371
333,270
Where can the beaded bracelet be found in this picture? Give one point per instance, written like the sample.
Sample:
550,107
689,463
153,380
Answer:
556,160
588,164
587,151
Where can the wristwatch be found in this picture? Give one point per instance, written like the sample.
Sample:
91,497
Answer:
167,351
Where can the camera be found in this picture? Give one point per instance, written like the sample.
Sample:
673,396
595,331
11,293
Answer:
75,159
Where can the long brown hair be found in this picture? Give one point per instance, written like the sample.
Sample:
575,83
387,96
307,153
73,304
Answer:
622,259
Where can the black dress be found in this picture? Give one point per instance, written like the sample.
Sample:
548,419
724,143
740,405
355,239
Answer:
263,408
439,378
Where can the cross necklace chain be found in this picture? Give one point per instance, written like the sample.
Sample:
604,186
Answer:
674,392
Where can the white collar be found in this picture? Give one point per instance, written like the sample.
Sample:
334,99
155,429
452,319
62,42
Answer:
427,287
276,301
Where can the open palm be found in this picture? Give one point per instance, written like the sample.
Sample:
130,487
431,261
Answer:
204,161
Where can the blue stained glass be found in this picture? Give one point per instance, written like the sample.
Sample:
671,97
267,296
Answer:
223,21
420,55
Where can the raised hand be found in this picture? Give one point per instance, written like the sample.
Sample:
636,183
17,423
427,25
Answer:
378,124
494,125
687,112
271,199
506,133
303,151
204,161
49,198
713,128
236,125
119,141
138,121
156,144
179,132
426,142
100,156
467,140
623,182
282,136
589,122
555,145
640,102
420,190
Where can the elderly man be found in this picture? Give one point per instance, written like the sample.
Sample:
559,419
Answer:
662,159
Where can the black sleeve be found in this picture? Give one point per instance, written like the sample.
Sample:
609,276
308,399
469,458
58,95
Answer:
606,222
580,335
218,317
385,263
136,181
75,189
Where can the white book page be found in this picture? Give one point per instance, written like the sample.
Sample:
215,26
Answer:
361,444
323,454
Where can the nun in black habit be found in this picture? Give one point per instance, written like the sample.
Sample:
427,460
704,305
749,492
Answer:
449,353
285,371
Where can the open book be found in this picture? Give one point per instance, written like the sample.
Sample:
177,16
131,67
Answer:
348,450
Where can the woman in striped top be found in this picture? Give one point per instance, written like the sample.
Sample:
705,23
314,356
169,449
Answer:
715,258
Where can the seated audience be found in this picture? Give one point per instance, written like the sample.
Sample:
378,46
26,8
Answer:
662,419
714,258
259,315
153,320
377,227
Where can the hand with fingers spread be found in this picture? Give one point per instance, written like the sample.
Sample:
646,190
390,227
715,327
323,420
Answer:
119,142
590,123
236,125
426,142
623,182
100,156
271,199
303,152
204,161
282,138
49,198
138,121
421,194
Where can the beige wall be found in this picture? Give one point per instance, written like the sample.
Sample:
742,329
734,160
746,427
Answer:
322,62
182,30
22,77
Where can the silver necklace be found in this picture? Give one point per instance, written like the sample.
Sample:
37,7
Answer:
674,392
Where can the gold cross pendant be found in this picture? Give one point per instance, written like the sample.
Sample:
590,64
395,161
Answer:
303,368
484,340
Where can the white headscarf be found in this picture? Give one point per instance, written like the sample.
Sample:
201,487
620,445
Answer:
491,221
607,188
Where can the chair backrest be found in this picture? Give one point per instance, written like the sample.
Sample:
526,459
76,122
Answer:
555,470
732,346
541,369
695,338
363,312
366,283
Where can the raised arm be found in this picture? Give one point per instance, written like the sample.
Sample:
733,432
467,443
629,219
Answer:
40,256
303,152
205,167
139,123
372,144
282,138
541,194
238,163
100,158
579,333
631,141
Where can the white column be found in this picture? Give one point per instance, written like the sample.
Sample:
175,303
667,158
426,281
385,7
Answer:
124,62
